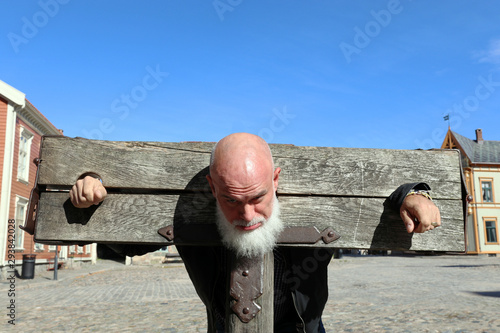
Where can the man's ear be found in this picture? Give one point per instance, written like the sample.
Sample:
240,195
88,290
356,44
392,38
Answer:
210,182
276,176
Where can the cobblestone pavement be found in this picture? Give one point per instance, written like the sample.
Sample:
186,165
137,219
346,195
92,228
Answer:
414,294
367,294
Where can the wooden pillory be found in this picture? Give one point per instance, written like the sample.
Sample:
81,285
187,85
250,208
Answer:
158,195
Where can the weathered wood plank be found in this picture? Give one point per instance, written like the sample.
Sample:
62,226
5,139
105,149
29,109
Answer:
153,185
144,165
365,172
305,170
135,218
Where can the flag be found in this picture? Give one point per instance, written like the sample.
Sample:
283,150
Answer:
447,117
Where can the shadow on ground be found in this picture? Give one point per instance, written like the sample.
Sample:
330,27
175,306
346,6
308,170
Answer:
486,293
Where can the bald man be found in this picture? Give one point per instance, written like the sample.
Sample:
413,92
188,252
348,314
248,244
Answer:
244,181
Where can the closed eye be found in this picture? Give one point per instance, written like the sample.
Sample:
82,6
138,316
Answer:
230,200
257,199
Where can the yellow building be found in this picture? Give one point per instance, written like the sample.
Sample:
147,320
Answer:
481,167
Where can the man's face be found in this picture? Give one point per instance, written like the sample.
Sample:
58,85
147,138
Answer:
251,243
245,200
248,214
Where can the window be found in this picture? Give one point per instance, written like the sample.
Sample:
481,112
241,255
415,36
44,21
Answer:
21,209
23,164
39,247
487,190
490,225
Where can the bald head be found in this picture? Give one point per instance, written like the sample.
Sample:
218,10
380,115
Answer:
240,154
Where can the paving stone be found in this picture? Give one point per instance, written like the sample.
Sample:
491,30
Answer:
367,294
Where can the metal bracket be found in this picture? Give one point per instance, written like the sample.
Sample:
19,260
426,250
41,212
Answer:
246,286
290,235
167,232
307,235
329,235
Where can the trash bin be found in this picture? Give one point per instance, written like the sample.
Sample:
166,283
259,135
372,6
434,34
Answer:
28,266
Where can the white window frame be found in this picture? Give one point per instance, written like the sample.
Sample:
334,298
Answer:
39,247
23,161
21,211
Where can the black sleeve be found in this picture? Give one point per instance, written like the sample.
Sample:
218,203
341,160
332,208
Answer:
397,197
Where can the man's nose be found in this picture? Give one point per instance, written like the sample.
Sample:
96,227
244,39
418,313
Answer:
248,212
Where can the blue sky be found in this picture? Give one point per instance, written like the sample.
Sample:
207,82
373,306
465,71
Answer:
371,74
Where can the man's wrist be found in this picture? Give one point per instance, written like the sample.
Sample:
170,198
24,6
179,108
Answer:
91,174
424,193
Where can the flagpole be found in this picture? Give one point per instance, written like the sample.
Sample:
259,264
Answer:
447,117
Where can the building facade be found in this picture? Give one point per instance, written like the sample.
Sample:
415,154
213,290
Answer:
21,129
481,167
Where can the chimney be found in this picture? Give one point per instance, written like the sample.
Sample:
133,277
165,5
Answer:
479,135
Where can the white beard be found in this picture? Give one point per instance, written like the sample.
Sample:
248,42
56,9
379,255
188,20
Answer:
254,243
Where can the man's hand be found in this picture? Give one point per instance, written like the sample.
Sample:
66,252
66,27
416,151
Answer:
419,214
87,192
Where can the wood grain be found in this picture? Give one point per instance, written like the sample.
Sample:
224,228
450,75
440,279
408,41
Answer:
305,170
152,185
135,218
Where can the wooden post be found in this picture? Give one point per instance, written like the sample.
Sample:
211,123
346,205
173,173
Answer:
251,295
